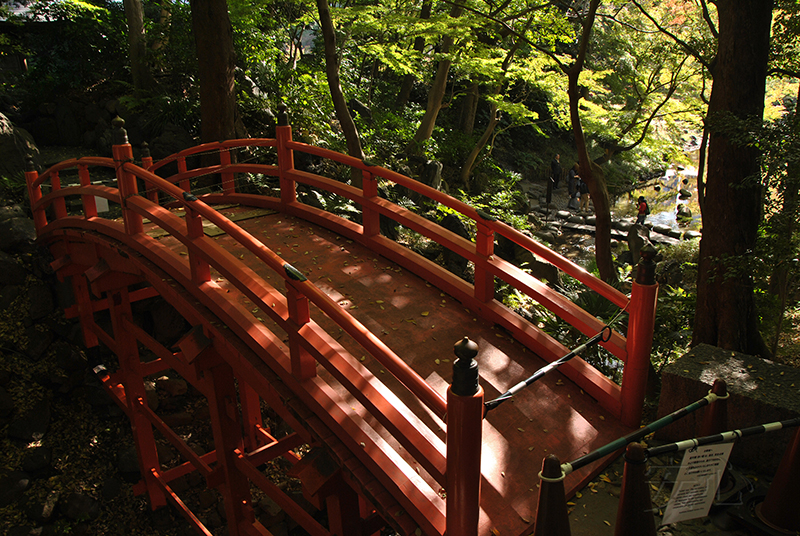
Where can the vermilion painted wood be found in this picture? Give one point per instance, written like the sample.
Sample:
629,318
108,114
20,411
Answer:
179,504
464,435
640,340
358,434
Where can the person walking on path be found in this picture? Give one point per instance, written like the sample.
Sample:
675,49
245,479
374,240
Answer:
555,171
572,180
643,210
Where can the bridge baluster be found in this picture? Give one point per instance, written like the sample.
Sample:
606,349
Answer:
304,365
370,217
464,423
642,311
228,182
89,203
484,246
201,272
147,163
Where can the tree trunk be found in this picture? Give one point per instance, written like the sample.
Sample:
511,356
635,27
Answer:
725,313
213,38
419,46
339,103
137,46
591,173
435,95
469,108
469,163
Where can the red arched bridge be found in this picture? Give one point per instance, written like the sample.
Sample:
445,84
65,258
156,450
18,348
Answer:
346,334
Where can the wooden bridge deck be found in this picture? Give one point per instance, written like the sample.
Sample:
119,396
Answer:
420,323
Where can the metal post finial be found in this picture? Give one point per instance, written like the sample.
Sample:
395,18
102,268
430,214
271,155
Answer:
465,368
120,134
283,115
145,150
29,163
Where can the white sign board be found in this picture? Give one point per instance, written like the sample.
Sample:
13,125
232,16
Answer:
697,482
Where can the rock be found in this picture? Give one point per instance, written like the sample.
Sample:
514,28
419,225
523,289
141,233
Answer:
16,233
692,235
623,225
13,272
39,340
111,489
37,459
684,193
181,418
8,294
32,425
41,301
11,211
563,214
591,220
638,237
171,140
128,463
80,507
15,144
12,485
674,233
576,219
173,386
662,229
6,403
42,512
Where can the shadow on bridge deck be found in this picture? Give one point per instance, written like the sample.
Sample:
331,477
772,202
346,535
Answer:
420,323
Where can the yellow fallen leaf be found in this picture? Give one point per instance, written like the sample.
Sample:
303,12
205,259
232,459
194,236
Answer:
425,313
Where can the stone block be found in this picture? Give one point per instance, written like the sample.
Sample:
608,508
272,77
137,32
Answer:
760,392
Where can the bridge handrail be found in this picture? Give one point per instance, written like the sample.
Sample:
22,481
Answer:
214,147
402,371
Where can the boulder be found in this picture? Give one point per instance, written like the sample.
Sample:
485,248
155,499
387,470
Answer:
80,507
32,425
15,145
638,237
454,262
13,272
16,233
12,485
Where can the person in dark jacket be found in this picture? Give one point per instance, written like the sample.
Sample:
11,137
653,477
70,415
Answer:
555,171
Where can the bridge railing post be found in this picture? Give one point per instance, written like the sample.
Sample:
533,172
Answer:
89,202
34,194
304,365
126,182
283,134
552,515
484,247
228,181
641,322
464,437
147,163
370,218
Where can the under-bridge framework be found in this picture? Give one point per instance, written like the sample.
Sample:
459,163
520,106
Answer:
346,334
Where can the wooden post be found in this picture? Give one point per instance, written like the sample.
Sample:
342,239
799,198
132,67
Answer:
484,247
34,194
371,218
464,437
780,507
304,365
89,204
126,182
642,311
283,134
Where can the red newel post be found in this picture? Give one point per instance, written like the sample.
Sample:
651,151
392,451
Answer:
635,511
126,182
34,194
642,311
552,517
780,507
464,437
283,135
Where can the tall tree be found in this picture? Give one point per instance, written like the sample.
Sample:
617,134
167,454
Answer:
437,91
137,45
725,314
339,103
213,36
